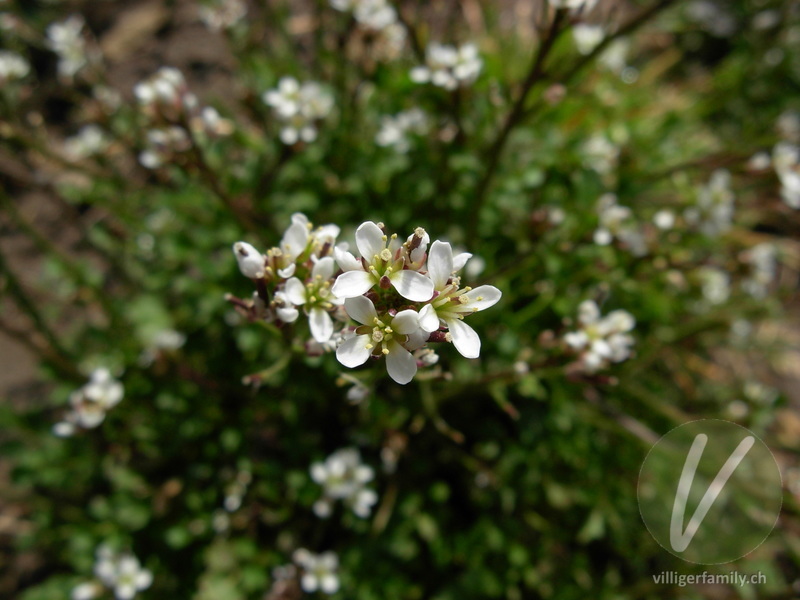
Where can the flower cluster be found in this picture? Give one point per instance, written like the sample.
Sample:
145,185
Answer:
449,67
400,295
298,106
177,115
319,571
713,210
67,41
601,340
395,130
121,573
379,19
90,403
343,477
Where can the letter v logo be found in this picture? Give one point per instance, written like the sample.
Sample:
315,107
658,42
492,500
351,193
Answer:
679,539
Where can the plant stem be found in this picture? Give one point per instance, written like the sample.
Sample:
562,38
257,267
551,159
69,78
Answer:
512,120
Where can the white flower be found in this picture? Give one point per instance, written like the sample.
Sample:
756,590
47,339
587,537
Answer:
344,477
713,210
162,144
121,573
762,262
587,37
715,284
298,107
449,67
90,140
251,261
384,267
574,5
395,129
211,123
223,14
786,161
12,66
391,337
89,404
66,40
319,571
600,154
601,340
315,296
616,222
86,591
664,219
375,14
452,304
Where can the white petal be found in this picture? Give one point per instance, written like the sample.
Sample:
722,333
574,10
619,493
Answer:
428,319
321,324
319,473
322,508
64,429
294,240
288,315
251,261
295,291
440,264
369,239
406,322
576,339
309,583
460,260
329,583
354,352
324,268
588,312
352,284
84,591
465,339
601,348
400,364
412,285
416,340
288,271
483,297
143,579
361,309
345,260
124,591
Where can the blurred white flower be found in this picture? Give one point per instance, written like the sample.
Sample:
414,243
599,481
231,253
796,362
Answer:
162,145
786,161
574,5
222,14
319,571
89,141
449,67
66,40
762,264
601,340
714,207
90,403
344,477
298,107
617,222
120,573
600,154
664,219
715,284
587,37
395,130
12,66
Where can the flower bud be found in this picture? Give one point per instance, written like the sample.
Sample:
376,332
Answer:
251,261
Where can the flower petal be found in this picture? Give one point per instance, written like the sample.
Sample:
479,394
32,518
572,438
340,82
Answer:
324,268
400,364
361,309
465,339
369,239
428,319
483,297
345,260
460,260
295,291
352,284
321,324
412,285
294,240
406,322
354,352
440,264
588,312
